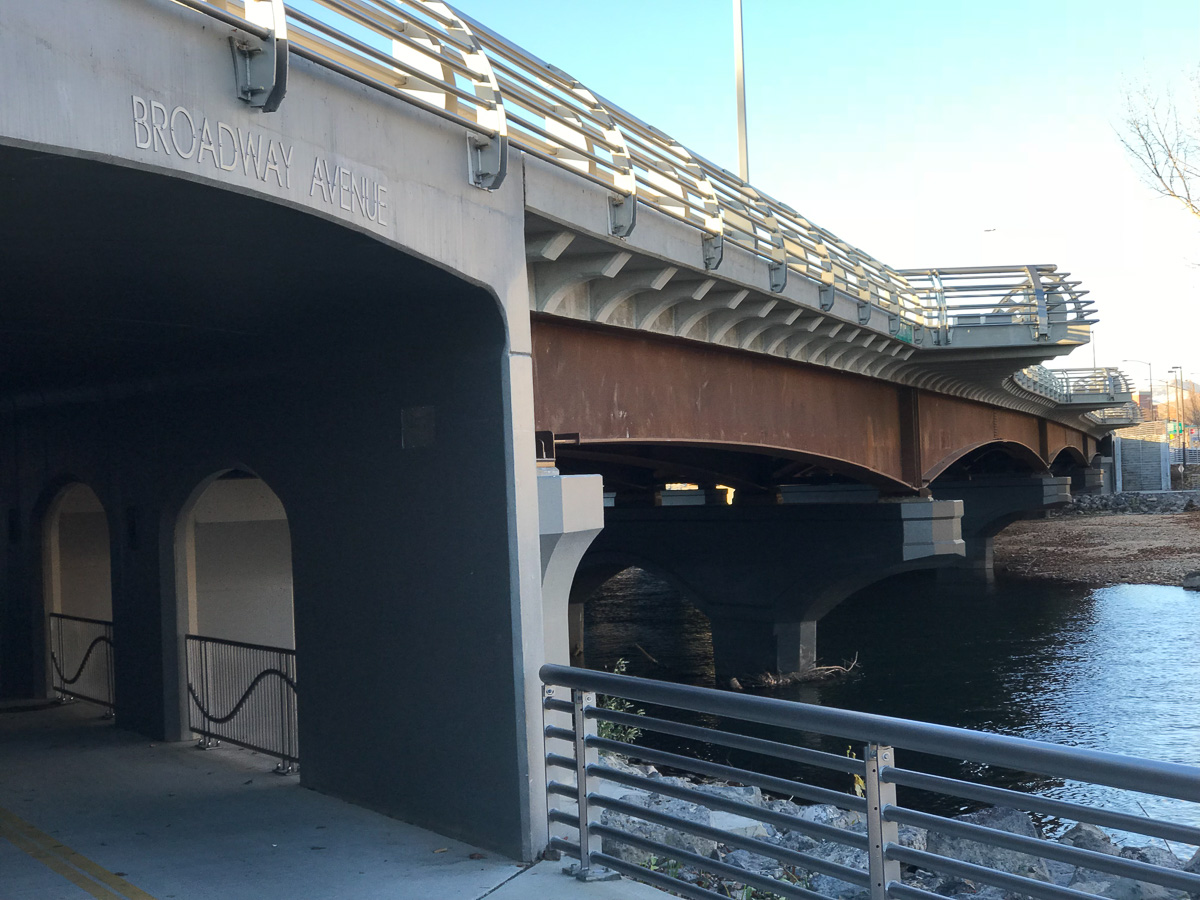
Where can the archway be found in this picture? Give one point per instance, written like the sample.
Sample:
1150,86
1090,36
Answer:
77,595
635,613
234,590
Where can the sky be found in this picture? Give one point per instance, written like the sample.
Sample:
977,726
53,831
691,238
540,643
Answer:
925,133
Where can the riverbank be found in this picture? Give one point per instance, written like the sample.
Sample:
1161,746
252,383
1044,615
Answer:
1114,539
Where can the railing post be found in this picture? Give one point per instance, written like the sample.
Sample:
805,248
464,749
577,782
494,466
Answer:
207,742
111,694
589,842
59,677
880,833
285,767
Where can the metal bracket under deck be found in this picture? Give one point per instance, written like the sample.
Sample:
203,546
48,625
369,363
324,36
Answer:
260,67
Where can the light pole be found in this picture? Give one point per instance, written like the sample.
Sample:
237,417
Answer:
1177,385
739,77
1153,410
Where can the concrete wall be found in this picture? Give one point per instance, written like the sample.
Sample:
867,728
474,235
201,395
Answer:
1144,465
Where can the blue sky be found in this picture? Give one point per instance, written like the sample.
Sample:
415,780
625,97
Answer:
926,133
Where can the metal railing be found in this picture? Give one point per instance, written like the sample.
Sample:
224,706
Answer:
1038,296
1076,385
244,694
425,52
1125,414
81,657
581,788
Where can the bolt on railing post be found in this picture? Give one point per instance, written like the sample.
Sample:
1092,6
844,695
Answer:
583,726
880,833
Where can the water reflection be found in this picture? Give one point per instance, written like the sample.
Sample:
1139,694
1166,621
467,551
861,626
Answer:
1115,668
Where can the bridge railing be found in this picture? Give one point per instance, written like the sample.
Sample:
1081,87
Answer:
1125,414
81,657
426,53
606,813
244,694
1038,296
1077,386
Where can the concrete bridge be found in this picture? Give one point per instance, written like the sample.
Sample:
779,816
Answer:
325,289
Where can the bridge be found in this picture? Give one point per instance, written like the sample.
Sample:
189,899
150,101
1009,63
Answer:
442,339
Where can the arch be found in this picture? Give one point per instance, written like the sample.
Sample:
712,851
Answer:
1067,458
233,563
723,462
76,553
76,591
638,648
1023,455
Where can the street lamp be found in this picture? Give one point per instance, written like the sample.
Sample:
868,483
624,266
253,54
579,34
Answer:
739,77
1153,410
1178,385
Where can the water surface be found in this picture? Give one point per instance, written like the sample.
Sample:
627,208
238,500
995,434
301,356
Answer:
1114,668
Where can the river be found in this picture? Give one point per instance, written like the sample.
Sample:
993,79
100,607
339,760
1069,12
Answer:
1114,668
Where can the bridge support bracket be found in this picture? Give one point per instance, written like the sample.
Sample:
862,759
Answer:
260,67
864,312
779,271
487,160
622,214
825,297
714,250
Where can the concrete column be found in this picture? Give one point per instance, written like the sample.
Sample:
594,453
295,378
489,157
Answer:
795,645
571,514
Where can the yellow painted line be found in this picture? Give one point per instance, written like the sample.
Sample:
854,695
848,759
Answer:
62,860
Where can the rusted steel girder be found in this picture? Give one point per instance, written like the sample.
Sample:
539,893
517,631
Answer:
700,409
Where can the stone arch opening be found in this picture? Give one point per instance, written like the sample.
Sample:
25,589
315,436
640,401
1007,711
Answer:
76,556
233,570
234,562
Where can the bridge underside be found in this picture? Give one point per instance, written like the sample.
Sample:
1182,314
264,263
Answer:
156,332
653,410
817,459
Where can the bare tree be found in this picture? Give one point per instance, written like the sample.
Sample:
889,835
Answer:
1166,143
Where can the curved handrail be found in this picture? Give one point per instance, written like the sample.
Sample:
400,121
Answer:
102,639
237,707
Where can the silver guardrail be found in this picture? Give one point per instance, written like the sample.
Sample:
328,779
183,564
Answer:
1037,296
1076,385
582,786
81,659
428,54
244,694
1125,414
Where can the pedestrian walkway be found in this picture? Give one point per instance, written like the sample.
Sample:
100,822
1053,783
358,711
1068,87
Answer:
91,812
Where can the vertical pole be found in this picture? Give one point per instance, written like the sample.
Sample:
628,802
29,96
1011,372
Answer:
1153,408
58,630
739,76
581,700
108,652
880,833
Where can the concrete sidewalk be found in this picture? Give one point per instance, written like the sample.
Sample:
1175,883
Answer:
90,811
